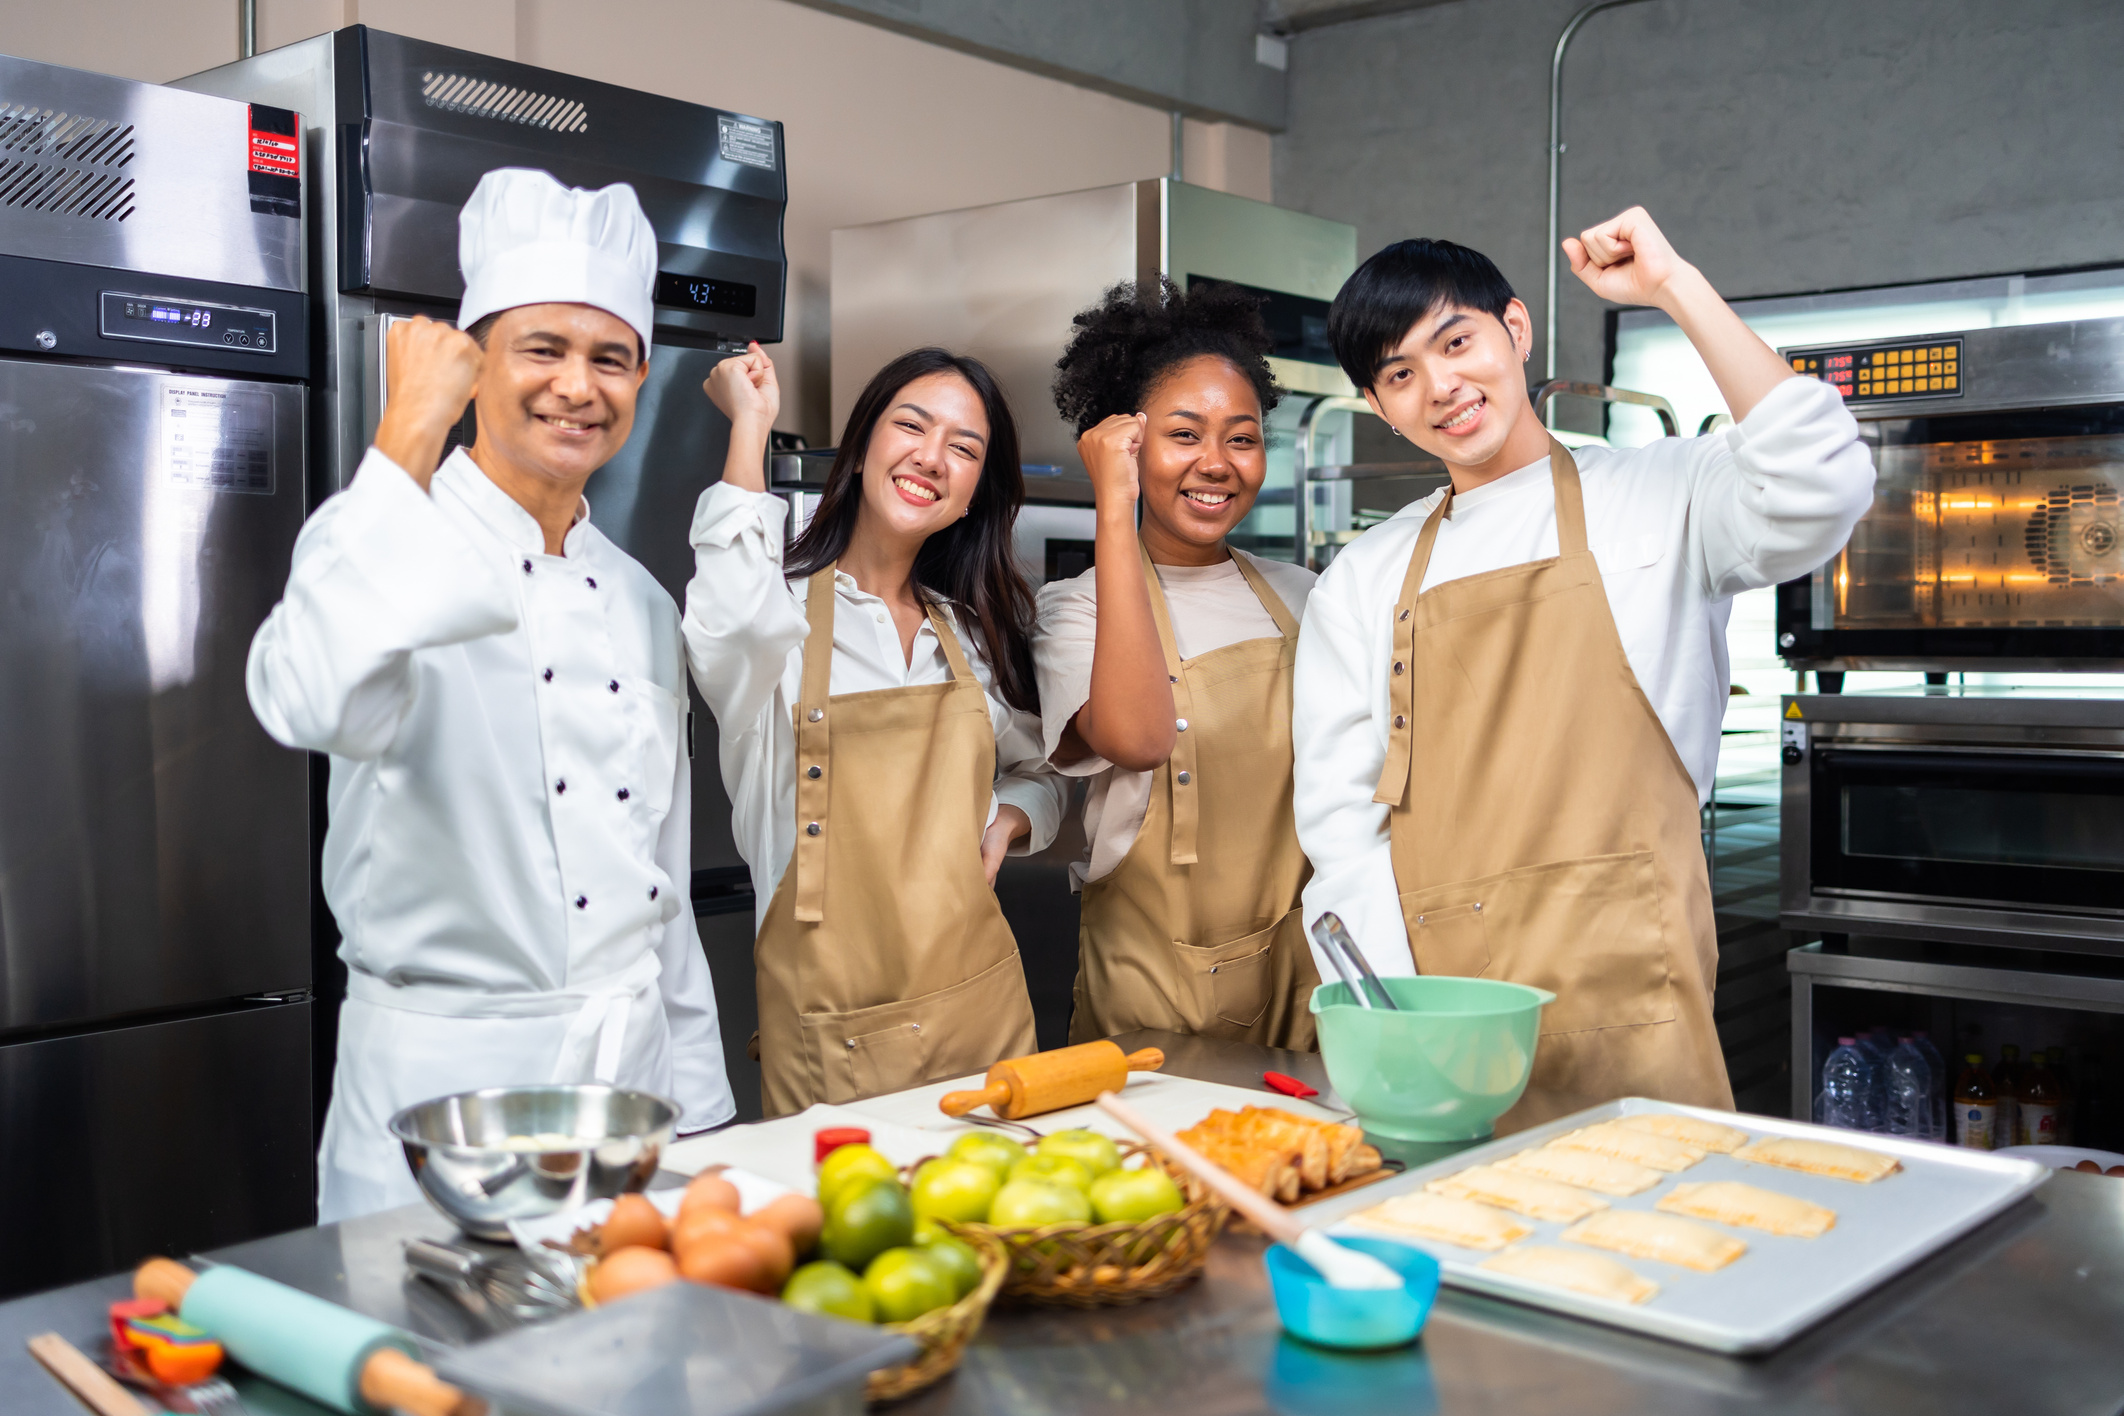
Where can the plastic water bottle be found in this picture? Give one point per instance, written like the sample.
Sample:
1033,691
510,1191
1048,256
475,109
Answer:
1849,1087
1872,1047
1942,1083
1910,1093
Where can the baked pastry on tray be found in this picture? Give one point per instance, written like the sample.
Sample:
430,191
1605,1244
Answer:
1821,1158
1628,1143
1575,1269
1750,1207
1459,1222
1522,1194
1644,1235
1689,1130
1584,1168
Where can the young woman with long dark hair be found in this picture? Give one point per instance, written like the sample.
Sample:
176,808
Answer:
1165,671
880,732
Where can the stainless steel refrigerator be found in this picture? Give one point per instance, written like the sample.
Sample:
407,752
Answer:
397,133
154,868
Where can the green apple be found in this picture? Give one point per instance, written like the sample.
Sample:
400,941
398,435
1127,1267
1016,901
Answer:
998,1153
954,1189
844,1164
1132,1196
828,1287
867,1217
1056,1169
956,1255
1029,1203
906,1283
1096,1153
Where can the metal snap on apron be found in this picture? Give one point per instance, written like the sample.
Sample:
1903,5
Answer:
1554,838
885,961
1198,929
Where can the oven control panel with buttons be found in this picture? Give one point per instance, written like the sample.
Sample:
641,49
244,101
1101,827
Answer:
1894,369
192,322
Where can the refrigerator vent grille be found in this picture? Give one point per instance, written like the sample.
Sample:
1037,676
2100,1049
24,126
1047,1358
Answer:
81,174
483,98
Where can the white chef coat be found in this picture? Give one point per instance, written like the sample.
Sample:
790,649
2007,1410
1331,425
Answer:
1211,606
1677,528
509,854
745,629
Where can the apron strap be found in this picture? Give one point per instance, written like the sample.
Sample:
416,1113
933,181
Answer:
1270,600
1179,768
954,652
1401,684
1570,501
813,747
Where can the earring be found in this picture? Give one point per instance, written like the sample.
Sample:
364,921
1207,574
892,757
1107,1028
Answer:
1394,430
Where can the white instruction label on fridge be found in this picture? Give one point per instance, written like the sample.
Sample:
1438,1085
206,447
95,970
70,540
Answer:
745,140
218,438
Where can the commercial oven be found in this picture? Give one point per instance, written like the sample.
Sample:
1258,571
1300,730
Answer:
1996,535
398,133
154,876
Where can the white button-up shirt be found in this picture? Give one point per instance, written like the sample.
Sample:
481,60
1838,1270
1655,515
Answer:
1678,528
745,630
507,733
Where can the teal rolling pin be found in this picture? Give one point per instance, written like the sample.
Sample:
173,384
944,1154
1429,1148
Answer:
329,1354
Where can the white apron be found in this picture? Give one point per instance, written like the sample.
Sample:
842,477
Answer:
399,1045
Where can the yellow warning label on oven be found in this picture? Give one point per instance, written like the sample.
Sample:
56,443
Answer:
1792,710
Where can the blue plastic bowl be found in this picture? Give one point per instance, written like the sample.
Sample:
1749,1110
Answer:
1354,1317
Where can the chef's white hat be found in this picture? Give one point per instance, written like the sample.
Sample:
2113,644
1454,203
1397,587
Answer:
524,239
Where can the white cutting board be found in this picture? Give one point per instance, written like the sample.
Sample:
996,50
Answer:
907,1125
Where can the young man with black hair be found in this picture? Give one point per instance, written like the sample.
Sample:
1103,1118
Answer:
1509,695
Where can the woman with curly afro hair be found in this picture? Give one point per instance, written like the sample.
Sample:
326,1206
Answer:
1165,678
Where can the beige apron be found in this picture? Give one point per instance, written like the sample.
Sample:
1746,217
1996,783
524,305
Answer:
1553,839
885,961
1198,930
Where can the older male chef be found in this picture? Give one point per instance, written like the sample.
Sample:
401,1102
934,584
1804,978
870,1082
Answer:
1508,696
501,690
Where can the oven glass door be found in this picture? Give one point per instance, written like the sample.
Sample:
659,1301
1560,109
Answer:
2012,829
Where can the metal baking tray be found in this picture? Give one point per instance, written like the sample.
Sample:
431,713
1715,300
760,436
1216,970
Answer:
1781,1286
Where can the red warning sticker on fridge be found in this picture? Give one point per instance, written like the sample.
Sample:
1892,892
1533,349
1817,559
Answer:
275,148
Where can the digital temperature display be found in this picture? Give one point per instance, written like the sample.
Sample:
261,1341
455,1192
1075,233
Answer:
195,322
1889,371
698,292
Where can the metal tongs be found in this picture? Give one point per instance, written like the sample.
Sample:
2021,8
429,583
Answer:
1349,961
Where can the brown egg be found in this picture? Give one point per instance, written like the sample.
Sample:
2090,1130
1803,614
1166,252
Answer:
797,1218
2089,1166
630,1270
711,1191
770,1250
633,1223
700,1224
723,1260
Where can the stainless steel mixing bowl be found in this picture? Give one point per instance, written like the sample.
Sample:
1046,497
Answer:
460,1151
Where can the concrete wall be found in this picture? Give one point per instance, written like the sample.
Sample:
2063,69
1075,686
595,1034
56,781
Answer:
879,125
1194,55
1785,147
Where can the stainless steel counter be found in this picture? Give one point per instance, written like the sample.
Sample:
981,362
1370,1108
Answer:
2025,1315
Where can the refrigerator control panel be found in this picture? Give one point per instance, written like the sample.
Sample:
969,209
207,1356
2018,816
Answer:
158,320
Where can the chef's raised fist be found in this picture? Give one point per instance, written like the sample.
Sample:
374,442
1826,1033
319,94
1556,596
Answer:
1625,259
1112,454
744,388
430,371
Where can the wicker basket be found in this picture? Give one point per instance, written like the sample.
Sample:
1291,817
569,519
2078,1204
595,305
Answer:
1100,1265
945,1332
942,1333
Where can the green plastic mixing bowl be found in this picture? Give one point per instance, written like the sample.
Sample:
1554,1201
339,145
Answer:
1443,1068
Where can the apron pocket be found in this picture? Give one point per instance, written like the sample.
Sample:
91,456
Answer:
1447,940
949,1033
1237,978
1589,930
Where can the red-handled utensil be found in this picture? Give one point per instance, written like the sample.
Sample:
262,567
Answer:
1289,1086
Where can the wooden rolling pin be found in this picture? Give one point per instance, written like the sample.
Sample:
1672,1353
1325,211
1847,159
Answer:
328,1353
1050,1081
